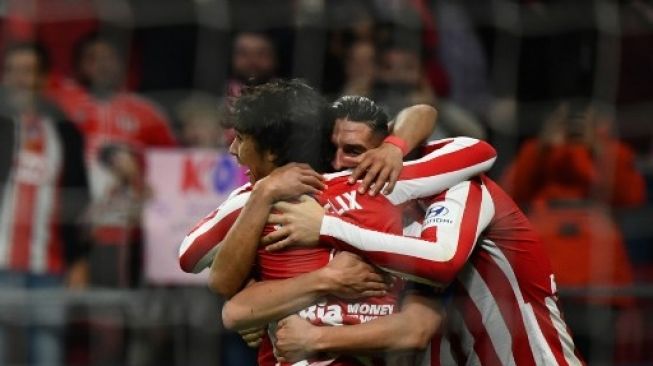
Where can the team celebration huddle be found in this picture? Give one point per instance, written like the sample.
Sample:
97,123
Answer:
358,242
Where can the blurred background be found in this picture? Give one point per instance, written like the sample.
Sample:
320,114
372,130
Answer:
111,148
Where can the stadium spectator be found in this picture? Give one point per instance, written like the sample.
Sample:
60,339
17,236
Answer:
44,194
576,157
570,176
201,118
360,69
117,126
400,78
253,61
401,82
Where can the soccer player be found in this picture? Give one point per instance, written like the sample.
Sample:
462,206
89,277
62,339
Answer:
502,299
205,237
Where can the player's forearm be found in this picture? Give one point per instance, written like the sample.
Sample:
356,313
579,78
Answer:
264,302
410,329
233,262
447,163
415,124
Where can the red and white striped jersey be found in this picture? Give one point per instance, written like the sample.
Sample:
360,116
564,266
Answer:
447,162
452,160
503,305
42,190
124,118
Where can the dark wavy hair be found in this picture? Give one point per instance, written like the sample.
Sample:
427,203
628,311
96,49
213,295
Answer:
361,109
287,118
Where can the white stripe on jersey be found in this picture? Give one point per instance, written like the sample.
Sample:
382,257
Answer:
465,337
446,357
407,190
448,235
495,326
229,206
45,201
540,348
563,335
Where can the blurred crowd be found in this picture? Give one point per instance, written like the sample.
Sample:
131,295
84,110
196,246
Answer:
88,86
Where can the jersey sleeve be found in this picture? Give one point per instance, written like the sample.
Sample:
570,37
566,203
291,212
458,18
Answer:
452,225
446,163
200,245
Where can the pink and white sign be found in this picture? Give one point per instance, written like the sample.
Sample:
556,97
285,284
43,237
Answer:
186,184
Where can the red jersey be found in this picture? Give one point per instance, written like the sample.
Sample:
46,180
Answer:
504,308
43,190
125,117
456,158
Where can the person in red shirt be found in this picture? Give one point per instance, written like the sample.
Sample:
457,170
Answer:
43,194
118,126
576,158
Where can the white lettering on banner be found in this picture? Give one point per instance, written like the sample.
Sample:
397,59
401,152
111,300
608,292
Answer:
343,203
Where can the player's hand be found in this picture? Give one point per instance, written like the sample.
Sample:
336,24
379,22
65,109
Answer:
291,181
253,336
349,277
299,224
294,339
380,167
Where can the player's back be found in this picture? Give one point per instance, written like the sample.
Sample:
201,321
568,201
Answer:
504,301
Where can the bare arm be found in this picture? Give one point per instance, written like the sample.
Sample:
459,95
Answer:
262,302
382,165
415,124
232,264
410,329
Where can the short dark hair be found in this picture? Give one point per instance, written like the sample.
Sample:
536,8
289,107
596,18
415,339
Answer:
361,109
287,118
38,50
92,38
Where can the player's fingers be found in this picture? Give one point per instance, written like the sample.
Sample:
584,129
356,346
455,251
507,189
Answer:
275,236
381,180
311,172
394,175
254,344
360,169
312,182
280,245
277,219
252,337
375,277
373,293
283,206
306,198
370,175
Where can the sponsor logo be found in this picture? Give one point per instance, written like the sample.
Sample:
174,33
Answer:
438,210
439,215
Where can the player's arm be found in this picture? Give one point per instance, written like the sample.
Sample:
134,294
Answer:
446,163
410,329
452,225
412,126
262,302
232,264
200,245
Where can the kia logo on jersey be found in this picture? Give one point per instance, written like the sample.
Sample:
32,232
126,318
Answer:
437,211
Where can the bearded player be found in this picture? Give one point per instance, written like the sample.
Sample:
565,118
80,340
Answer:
343,202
